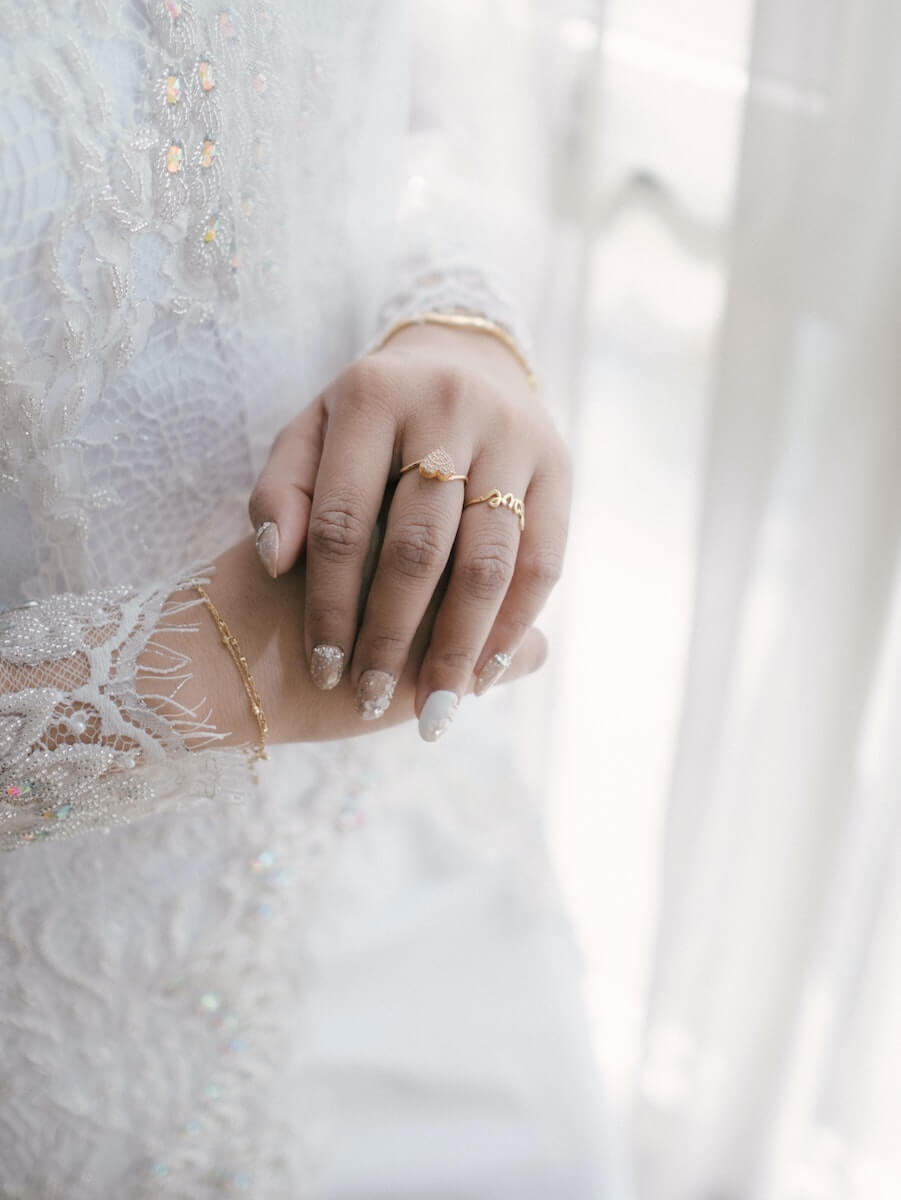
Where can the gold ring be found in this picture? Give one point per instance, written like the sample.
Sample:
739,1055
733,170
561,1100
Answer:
498,499
437,464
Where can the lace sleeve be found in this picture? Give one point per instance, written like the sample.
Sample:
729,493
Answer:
82,743
472,219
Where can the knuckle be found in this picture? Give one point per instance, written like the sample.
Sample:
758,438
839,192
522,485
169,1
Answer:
367,387
414,552
336,531
322,618
516,626
488,571
458,660
542,569
386,646
508,422
449,389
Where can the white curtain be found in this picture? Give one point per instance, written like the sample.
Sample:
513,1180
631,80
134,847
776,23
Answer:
770,1063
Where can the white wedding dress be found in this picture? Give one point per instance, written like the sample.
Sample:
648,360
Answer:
347,975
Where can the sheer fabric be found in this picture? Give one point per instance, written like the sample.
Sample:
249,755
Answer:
199,230
177,252
771,1064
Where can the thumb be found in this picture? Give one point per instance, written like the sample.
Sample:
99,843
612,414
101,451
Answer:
283,494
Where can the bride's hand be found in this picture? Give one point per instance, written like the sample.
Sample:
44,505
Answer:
323,486
263,616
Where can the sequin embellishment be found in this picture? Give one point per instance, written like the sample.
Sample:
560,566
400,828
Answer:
20,793
57,814
205,75
175,158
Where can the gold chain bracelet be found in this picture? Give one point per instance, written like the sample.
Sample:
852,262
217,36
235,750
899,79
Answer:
230,642
465,321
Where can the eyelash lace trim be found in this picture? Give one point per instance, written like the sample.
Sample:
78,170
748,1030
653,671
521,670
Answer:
68,752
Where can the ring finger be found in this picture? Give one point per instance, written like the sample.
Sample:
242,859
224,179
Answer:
538,568
422,523
484,565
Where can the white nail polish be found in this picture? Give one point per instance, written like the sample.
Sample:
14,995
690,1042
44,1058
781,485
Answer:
326,665
437,714
491,672
267,547
374,692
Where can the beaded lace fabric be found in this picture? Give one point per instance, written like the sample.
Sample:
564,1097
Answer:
197,231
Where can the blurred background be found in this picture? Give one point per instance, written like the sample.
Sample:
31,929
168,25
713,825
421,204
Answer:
725,775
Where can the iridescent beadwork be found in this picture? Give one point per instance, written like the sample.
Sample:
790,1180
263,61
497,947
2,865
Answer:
175,157
57,814
205,75
175,23
20,793
122,268
77,723
207,153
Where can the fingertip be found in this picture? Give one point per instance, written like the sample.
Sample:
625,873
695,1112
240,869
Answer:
267,544
529,657
280,518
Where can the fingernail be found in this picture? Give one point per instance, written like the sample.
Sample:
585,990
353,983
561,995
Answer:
374,692
437,715
491,672
326,665
267,547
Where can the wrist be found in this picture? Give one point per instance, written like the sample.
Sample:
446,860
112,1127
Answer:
470,346
212,692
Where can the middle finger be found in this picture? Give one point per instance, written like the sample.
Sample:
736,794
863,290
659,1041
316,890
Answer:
422,523
484,563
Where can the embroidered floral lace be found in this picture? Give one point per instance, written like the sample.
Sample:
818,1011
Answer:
199,225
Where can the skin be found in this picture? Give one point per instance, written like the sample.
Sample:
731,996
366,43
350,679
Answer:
262,613
324,487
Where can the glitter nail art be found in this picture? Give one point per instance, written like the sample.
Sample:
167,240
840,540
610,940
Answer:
374,693
326,665
267,547
491,672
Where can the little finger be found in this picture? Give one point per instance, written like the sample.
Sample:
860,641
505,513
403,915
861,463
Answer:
538,567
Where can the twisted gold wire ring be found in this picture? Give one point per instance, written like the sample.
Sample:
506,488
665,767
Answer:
499,499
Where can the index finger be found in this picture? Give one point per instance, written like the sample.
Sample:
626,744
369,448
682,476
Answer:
356,461
282,497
